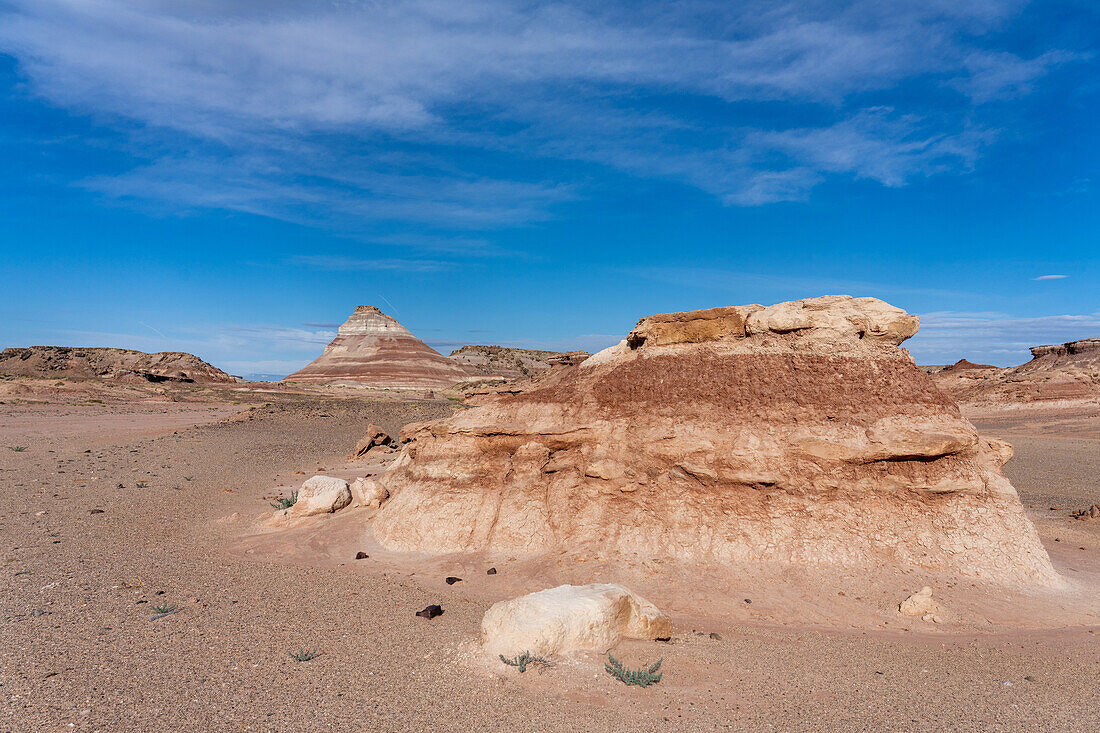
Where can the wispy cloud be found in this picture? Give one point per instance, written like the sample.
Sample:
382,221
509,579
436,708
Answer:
351,264
1050,277
998,338
450,113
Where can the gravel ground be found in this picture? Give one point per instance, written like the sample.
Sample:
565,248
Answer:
79,649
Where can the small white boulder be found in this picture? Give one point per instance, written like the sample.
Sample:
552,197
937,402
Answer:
571,618
321,495
367,492
921,604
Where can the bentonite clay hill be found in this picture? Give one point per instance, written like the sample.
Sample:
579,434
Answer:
97,362
797,433
1069,371
375,350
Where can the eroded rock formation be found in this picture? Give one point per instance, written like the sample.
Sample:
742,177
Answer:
373,349
797,433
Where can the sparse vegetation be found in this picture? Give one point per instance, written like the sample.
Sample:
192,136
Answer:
285,502
188,478
522,660
643,676
142,484
303,655
18,448
165,608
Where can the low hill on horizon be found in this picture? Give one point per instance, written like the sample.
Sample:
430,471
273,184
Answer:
101,362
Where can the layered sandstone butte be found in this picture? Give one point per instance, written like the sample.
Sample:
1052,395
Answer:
796,433
375,350
108,363
1063,372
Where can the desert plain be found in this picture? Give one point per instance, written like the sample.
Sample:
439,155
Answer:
146,587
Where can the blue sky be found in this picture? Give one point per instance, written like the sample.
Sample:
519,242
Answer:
231,178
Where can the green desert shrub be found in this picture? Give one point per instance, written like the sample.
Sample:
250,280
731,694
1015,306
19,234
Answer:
303,655
522,660
643,677
285,502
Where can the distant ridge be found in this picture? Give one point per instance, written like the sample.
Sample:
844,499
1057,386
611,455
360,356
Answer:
1069,371
511,363
75,362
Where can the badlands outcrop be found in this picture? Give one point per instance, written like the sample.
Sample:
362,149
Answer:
480,389
798,433
1063,372
375,350
107,363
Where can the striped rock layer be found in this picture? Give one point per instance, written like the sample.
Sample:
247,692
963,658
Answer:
375,350
797,433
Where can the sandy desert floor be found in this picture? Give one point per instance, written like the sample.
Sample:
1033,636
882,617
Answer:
116,507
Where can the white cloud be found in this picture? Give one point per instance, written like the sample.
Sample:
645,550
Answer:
878,144
340,113
1050,277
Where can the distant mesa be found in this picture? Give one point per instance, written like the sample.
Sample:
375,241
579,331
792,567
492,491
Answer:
73,362
1081,353
510,363
375,350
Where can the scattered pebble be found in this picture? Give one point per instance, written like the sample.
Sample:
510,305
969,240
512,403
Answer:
491,571
715,636
748,600
451,580
361,555
430,612
96,511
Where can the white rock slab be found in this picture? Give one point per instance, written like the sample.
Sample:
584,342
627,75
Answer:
571,618
321,495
